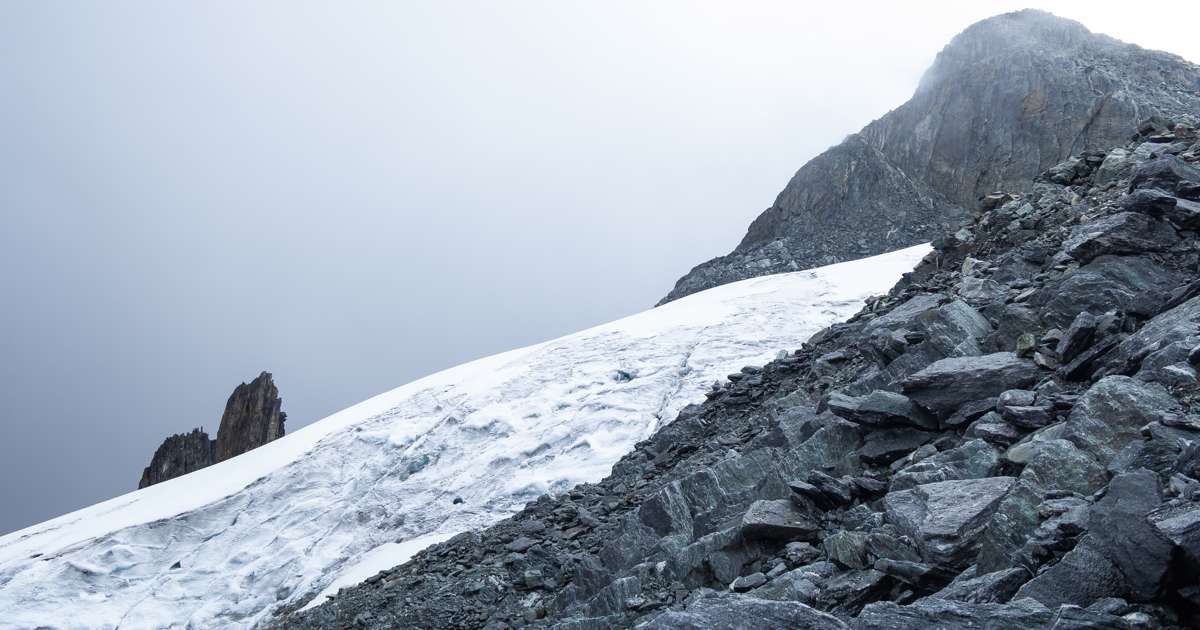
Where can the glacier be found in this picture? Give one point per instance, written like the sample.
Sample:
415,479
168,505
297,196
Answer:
365,488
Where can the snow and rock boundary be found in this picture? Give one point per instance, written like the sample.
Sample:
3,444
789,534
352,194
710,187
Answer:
454,451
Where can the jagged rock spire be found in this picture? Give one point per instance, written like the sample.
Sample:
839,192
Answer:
252,418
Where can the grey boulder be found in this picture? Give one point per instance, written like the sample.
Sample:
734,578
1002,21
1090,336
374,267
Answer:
1083,576
996,587
1122,233
973,459
1111,414
1179,324
947,384
888,445
848,549
1182,212
945,614
946,518
777,518
1164,173
1133,284
880,408
1180,523
1118,524
727,611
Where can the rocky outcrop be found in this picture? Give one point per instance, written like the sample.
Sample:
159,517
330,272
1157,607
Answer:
179,454
1024,456
252,418
1008,98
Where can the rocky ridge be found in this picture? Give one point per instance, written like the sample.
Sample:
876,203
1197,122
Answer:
1006,99
252,418
1009,438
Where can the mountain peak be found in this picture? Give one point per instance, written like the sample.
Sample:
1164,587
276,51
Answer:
1006,99
1028,30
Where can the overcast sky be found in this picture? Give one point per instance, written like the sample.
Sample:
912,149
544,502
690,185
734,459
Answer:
353,195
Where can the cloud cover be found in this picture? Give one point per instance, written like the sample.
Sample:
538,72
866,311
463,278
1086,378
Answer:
355,195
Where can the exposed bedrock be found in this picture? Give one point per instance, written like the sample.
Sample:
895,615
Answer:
1007,99
252,417
1009,438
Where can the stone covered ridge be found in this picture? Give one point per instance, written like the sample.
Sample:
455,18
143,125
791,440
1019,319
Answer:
1008,98
252,418
1009,439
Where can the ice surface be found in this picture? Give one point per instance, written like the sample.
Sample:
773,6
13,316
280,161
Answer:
340,499
383,557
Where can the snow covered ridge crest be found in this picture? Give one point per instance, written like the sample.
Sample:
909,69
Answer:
369,486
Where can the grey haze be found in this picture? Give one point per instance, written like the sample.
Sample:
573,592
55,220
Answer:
355,195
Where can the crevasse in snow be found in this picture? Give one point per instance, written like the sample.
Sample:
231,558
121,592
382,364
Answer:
369,486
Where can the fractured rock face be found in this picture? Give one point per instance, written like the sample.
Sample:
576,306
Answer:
1182,212
996,587
777,518
1164,173
974,459
252,418
718,611
179,455
1132,284
1180,324
946,614
1111,414
880,408
946,518
1180,523
947,384
1123,233
921,168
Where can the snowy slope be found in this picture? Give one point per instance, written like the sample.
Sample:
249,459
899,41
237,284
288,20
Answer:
369,486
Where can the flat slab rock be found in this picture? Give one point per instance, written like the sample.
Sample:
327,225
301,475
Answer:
726,611
945,614
1180,524
947,384
880,408
777,518
1179,323
887,445
946,518
990,588
1122,233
